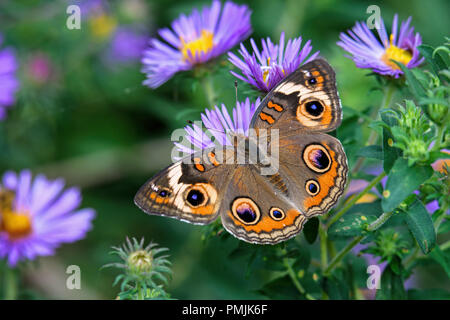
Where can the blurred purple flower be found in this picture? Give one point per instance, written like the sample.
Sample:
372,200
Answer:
127,45
267,68
369,51
220,125
37,216
195,39
8,81
39,68
90,7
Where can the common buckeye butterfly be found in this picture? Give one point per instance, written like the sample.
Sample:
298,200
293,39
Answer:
256,208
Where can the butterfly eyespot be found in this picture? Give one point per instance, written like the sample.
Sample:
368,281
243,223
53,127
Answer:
317,158
314,108
164,193
196,196
246,211
312,187
277,214
312,81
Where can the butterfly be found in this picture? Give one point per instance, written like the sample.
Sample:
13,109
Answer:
255,207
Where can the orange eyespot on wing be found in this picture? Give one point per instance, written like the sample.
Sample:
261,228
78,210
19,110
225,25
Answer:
317,158
245,211
325,181
329,183
314,112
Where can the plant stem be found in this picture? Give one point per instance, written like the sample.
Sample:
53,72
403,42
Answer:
341,254
388,93
295,281
350,204
10,283
323,247
208,89
440,137
372,227
445,245
140,292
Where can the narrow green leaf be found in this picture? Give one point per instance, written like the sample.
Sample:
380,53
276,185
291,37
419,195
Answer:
414,85
390,153
421,226
439,256
402,181
436,61
391,286
311,230
374,152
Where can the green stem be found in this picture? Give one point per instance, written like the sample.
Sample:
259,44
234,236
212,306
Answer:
389,91
372,227
295,281
140,291
10,284
445,245
341,254
208,89
350,204
323,247
440,137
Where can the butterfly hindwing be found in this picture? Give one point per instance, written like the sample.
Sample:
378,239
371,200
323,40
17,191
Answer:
253,211
314,167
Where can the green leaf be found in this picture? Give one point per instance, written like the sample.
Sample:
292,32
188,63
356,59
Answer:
428,294
436,61
350,225
311,230
439,256
374,152
391,286
336,288
444,226
421,226
402,181
390,153
436,155
414,84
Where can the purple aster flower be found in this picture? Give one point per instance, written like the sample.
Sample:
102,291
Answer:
369,51
220,125
8,81
127,45
195,39
266,69
36,216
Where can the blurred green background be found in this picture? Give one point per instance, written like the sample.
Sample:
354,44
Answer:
85,116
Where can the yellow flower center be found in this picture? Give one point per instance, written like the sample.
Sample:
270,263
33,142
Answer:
16,225
267,71
201,45
395,53
102,25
